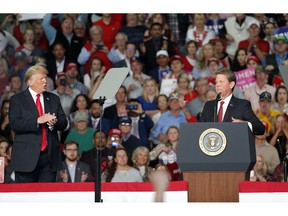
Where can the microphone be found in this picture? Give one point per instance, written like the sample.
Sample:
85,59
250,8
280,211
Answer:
218,98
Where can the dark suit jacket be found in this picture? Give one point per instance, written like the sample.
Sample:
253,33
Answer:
23,116
80,167
271,60
105,124
237,108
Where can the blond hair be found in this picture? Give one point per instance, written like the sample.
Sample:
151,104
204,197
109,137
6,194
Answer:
36,69
145,83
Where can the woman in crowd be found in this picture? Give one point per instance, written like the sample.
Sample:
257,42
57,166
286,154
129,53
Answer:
184,87
281,99
278,135
120,170
259,172
96,68
166,153
141,160
200,69
149,96
79,104
190,60
239,61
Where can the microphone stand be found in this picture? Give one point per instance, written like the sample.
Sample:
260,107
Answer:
218,98
285,168
98,156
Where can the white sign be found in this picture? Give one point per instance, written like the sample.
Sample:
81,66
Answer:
26,16
168,86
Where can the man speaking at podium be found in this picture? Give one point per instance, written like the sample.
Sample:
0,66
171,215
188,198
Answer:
227,108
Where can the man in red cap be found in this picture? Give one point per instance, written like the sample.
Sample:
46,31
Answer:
72,73
254,44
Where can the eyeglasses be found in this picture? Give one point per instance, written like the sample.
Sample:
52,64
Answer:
71,150
125,124
115,138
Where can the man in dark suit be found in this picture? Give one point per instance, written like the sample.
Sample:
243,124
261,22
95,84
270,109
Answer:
73,169
233,109
35,114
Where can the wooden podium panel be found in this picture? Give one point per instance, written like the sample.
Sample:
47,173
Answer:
214,186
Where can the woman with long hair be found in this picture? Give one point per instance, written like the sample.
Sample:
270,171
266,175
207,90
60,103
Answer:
120,170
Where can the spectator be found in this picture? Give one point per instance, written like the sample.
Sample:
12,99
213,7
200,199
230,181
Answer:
255,45
73,170
155,43
120,170
94,117
163,68
117,52
149,96
239,61
259,172
4,78
175,116
5,129
130,53
65,92
72,73
195,106
190,59
110,25
279,57
82,134
252,62
96,68
56,62
66,36
265,113
94,48
134,31
141,160
200,69
281,99
89,157
234,31
21,64
166,153
199,32
278,136
268,28
184,87
220,51
253,92
80,104
129,141
118,109
267,151
134,83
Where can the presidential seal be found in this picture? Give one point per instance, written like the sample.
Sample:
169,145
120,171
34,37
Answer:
212,142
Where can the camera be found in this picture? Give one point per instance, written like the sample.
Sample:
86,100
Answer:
99,47
115,143
63,82
131,106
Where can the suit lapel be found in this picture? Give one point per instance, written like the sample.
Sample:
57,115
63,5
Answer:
47,103
30,102
229,111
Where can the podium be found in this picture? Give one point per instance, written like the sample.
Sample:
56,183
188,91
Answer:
214,159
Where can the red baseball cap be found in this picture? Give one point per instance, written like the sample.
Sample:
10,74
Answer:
70,66
176,57
213,59
114,131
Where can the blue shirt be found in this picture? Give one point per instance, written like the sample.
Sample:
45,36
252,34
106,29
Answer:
147,105
166,120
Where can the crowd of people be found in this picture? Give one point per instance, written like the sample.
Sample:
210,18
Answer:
173,60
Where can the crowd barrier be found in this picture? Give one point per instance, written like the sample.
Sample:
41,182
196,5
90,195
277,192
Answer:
263,192
84,192
131,192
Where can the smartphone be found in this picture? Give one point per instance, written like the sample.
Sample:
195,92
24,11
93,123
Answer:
63,82
115,143
99,47
131,106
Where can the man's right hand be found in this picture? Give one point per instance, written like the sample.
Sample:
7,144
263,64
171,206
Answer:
45,118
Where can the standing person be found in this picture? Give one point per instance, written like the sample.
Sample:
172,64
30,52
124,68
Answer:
36,155
234,109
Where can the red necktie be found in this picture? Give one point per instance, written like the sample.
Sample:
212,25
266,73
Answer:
220,113
44,133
